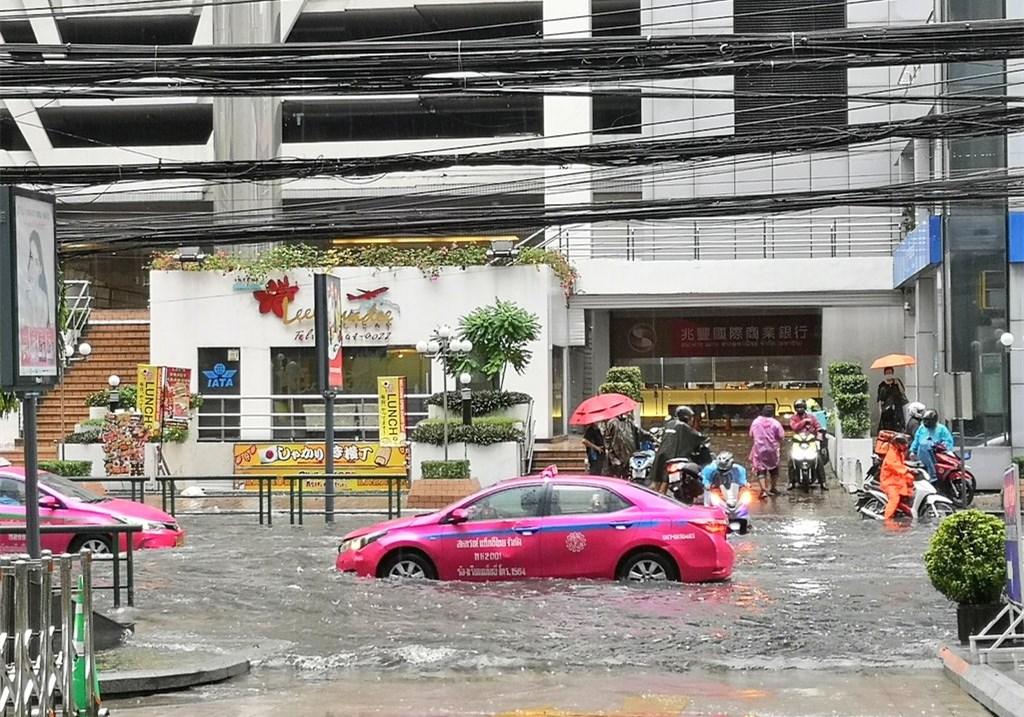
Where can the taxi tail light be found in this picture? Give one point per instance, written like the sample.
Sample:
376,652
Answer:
712,526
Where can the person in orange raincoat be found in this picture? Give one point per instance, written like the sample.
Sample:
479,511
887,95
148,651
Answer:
897,481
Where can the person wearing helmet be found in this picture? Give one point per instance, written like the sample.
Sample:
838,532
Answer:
891,400
805,422
928,435
767,435
722,471
895,478
678,440
915,412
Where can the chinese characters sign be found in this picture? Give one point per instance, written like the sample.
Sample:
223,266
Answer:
365,460
176,399
766,335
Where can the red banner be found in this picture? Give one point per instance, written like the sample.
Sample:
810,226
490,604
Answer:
761,335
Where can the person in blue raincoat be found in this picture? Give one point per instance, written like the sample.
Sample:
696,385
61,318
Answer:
928,435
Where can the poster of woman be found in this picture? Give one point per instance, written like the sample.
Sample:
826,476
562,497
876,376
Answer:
37,287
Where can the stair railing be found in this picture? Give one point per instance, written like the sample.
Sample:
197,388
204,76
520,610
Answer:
78,297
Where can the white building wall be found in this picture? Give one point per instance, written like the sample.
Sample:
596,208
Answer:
196,309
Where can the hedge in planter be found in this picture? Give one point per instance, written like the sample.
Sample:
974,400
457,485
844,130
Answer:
483,431
966,562
627,380
70,469
482,402
445,470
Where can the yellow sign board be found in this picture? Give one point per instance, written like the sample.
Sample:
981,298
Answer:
391,410
149,389
369,463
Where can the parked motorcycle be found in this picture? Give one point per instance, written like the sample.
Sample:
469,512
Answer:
736,504
641,462
926,502
805,461
684,481
958,486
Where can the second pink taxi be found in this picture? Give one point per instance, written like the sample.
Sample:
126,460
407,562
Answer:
548,527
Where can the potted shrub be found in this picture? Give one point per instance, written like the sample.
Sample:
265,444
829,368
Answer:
97,403
966,562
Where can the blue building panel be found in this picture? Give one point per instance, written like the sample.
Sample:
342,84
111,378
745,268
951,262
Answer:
922,248
1017,237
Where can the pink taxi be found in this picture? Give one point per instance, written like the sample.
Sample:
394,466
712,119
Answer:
64,502
548,527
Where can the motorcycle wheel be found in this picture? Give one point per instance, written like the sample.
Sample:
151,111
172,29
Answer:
872,508
961,489
939,510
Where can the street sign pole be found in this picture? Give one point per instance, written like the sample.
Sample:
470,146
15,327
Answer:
32,540
322,346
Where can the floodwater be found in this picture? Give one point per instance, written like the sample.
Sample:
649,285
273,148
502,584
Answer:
815,587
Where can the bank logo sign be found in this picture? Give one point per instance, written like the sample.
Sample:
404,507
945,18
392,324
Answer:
391,408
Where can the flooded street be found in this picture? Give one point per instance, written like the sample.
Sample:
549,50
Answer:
815,587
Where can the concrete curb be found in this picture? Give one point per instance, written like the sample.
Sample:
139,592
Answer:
146,682
987,685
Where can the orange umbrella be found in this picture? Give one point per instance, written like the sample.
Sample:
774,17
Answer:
894,361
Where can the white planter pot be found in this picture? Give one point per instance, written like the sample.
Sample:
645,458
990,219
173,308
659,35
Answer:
94,452
519,412
488,464
97,412
853,460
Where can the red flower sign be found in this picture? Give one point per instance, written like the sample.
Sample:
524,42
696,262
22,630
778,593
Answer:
276,297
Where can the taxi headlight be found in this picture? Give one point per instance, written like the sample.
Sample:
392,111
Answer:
356,544
146,525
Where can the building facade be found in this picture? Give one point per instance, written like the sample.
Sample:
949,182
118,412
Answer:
724,312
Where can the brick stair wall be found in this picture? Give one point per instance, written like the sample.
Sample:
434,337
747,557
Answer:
568,455
120,342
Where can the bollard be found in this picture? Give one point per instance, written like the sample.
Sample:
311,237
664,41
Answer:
85,680
22,633
67,645
47,677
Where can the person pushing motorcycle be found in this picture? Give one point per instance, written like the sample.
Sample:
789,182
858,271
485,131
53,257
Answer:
896,479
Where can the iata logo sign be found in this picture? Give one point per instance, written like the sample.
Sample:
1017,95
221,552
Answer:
220,376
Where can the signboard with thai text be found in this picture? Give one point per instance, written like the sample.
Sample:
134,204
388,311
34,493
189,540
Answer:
149,396
761,335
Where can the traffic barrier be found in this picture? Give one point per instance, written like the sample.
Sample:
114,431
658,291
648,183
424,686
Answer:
38,672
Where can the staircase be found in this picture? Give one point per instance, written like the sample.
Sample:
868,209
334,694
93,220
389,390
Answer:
566,453
120,341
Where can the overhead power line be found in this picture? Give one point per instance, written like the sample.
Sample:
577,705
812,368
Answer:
960,123
397,67
459,218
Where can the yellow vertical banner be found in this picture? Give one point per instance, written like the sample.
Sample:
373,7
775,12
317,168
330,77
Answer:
148,388
391,410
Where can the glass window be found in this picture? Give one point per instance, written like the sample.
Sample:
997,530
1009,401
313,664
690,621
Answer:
12,492
519,502
581,499
220,376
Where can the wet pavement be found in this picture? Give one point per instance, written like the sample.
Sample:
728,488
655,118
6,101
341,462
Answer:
815,587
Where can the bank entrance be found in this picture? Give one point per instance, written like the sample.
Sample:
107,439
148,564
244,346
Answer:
725,365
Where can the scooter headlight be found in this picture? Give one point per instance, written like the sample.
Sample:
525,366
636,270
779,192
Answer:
745,498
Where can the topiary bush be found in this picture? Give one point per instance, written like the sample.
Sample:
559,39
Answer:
627,380
966,559
483,432
849,389
445,470
482,402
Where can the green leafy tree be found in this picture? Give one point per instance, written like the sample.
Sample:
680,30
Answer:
8,403
500,334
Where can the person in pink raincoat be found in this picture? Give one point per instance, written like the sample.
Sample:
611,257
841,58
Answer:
768,435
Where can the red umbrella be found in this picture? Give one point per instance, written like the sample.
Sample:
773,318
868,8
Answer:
602,407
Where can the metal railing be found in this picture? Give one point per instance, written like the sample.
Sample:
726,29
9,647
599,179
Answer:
265,493
117,584
36,678
853,235
295,417
78,297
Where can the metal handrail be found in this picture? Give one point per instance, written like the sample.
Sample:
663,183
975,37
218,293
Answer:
78,298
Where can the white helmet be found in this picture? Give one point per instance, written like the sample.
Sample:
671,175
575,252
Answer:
916,410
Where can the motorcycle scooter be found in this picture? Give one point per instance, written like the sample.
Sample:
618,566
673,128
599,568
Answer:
735,501
926,502
684,481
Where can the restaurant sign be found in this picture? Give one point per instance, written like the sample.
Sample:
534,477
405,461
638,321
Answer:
368,463
698,336
367,320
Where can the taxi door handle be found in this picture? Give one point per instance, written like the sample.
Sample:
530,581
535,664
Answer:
525,529
621,526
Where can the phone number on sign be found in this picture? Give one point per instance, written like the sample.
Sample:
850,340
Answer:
362,336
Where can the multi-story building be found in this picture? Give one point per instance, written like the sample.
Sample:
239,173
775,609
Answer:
718,311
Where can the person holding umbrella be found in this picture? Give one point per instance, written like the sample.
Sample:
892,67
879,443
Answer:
891,395
601,416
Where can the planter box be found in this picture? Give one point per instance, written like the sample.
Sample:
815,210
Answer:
437,493
94,452
851,459
97,413
519,412
972,619
487,464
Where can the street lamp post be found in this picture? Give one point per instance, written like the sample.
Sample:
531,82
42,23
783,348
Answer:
1006,339
114,395
444,345
467,399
